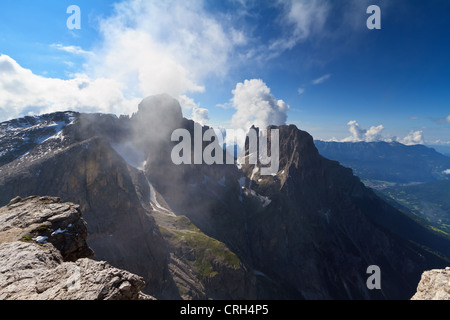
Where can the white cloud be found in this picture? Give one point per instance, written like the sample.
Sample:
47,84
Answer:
374,133
302,18
146,48
22,92
413,138
361,134
163,46
255,105
321,79
443,120
71,49
301,90
440,142
200,115
187,103
446,171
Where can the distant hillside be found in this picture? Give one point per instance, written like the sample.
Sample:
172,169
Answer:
383,164
429,201
444,149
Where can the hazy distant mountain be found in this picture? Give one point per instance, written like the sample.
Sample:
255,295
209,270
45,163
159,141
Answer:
222,231
444,149
387,164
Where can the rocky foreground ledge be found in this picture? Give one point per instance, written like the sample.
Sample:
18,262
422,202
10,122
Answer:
44,256
434,285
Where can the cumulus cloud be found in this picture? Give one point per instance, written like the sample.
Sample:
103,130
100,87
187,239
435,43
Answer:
413,138
255,105
200,115
168,46
145,48
23,92
446,171
361,134
375,133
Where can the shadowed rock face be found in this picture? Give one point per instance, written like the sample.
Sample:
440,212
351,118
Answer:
91,174
44,256
310,231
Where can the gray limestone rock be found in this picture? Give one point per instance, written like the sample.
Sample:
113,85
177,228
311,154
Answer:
434,285
44,256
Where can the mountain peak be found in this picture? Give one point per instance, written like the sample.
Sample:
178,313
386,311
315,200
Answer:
160,106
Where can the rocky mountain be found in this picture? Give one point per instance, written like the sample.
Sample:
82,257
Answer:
198,231
383,164
44,256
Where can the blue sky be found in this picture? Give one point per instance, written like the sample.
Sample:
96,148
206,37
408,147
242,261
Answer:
230,63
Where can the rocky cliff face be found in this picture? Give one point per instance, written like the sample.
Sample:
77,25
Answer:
90,162
434,285
308,232
44,256
222,231
93,175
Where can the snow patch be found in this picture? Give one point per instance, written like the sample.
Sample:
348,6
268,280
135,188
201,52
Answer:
154,201
58,231
265,201
57,133
40,239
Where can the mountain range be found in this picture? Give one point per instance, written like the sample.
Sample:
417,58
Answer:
385,164
310,231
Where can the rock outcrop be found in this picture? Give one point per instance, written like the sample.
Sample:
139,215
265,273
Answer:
46,219
434,285
44,256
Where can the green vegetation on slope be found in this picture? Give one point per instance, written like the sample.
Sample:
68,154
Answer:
208,253
429,202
